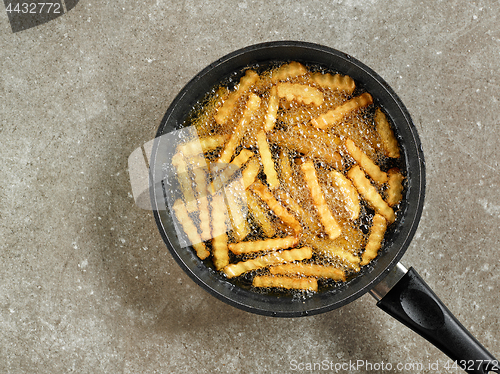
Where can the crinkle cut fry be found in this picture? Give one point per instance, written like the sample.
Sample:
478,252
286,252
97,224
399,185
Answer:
308,270
260,215
395,190
286,170
306,218
266,196
296,283
377,232
349,193
335,116
330,224
307,147
290,70
370,167
242,158
227,107
203,144
202,192
250,172
267,160
389,141
192,171
220,251
301,93
223,173
273,258
370,194
236,202
272,110
334,82
185,182
263,245
318,135
329,248
189,229
251,107
294,206
287,182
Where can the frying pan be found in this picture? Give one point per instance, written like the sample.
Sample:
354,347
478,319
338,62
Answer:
401,293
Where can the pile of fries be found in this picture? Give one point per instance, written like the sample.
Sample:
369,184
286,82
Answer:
290,180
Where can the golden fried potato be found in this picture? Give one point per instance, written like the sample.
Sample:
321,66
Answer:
370,194
336,115
329,222
301,283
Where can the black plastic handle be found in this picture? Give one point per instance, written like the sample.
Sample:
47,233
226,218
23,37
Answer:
413,303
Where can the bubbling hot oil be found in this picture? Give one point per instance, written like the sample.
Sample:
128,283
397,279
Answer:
358,126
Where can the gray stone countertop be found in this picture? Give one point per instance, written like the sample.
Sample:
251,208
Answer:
86,282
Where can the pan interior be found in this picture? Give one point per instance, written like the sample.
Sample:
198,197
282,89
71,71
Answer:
230,68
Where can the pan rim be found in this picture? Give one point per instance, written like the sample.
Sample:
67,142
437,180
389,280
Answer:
369,278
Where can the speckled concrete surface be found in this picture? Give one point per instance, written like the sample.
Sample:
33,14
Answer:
86,283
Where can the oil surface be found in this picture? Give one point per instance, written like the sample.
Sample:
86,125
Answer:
293,141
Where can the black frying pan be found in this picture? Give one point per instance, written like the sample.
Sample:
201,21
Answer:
401,293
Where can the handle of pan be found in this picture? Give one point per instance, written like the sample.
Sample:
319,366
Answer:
405,296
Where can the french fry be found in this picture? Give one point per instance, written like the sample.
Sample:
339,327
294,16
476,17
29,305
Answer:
272,110
185,182
307,147
395,190
286,170
204,144
288,183
349,193
250,172
266,196
237,207
300,114
330,248
322,137
260,215
309,270
263,245
190,230
267,281
220,251
305,217
242,158
220,215
300,92
330,224
227,107
334,82
287,71
334,116
251,107
377,232
285,198
365,162
389,141
370,194
273,258
201,183
267,160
